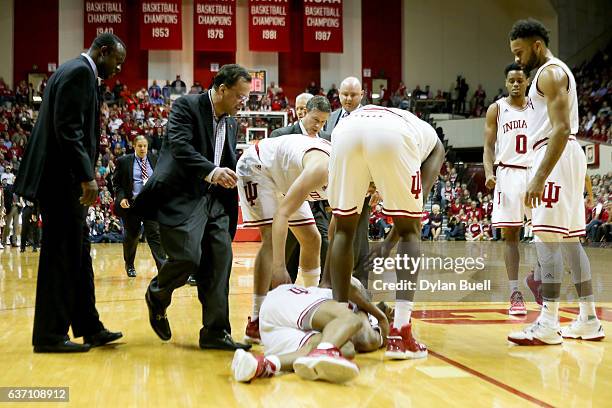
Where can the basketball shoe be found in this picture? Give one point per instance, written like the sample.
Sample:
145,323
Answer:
537,334
401,345
325,364
251,335
584,330
535,286
517,304
247,366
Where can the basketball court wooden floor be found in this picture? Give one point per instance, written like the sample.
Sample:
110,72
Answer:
470,362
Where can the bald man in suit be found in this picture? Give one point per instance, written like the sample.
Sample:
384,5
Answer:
351,95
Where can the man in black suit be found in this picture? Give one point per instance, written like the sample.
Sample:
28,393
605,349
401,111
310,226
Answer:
312,112
193,195
58,170
131,174
351,95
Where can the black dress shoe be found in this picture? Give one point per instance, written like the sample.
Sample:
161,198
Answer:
158,319
65,346
191,281
220,341
131,271
102,337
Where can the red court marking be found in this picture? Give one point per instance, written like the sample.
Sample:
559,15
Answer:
491,380
603,313
454,316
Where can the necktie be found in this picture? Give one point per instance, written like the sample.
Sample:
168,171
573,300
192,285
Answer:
143,168
345,114
219,141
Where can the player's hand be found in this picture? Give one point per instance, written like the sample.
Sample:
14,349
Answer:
375,198
384,329
280,276
124,203
535,191
225,177
90,193
490,182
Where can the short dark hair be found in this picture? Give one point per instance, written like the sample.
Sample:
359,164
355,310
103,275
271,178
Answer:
513,67
320,103
528,29
107,40
229,74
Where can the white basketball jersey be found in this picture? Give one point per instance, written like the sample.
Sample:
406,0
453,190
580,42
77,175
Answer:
537,117
281,158
512,147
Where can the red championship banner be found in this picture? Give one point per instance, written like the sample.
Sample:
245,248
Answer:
323,26
160,25
104,16
214,25
269,25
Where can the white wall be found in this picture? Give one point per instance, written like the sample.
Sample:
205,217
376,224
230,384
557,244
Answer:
462,133
246,58
70,29
6,41
444,38
164,65
335,67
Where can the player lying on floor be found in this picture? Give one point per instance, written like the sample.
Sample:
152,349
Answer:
306,331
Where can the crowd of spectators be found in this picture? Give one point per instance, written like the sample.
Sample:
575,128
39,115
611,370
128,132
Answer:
594,86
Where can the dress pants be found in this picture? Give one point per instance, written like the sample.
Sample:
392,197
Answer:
65,293
202,245
131,235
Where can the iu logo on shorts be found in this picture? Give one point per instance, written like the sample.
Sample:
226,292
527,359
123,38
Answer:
416,187
250,189
551,194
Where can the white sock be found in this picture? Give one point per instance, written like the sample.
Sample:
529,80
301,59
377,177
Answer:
587,308
311,277
403,311
325,346
276,361
550,313
257,302
513,286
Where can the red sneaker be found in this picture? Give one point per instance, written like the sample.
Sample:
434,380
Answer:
517,304
535,287
402,346
247,366
325,364
251,335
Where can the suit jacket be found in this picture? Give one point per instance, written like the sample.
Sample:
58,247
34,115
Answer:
123,180
333,120
186,157
295,129
63,146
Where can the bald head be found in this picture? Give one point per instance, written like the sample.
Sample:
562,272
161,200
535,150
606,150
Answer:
351,93
300,104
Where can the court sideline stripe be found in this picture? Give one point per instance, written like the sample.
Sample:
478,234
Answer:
491,380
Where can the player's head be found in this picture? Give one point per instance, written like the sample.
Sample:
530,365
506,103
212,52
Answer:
350,93
141,146
317,113
233,84
108,53
516,80
529,43
300,104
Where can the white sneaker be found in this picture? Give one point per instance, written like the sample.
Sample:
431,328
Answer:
247,366
537,334
584,330
325,364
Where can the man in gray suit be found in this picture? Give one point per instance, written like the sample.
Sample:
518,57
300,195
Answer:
313,112
351,95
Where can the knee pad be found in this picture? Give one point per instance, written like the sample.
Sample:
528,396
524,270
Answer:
550,259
